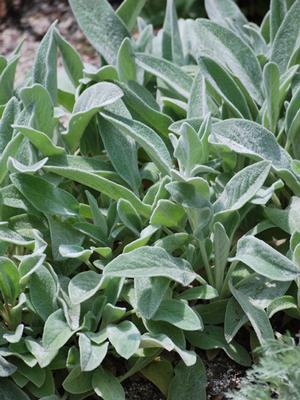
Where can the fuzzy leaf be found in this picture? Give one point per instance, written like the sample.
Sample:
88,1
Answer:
125,338
107,386
87,105
265,260
103,28
150,262
227,48
44,196
242,187
179,314
287,38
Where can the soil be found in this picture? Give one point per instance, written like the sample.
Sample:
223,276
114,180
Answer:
223,375
29,20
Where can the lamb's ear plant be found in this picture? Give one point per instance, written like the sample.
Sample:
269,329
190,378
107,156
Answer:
162,221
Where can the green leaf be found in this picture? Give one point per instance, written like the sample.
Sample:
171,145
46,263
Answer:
221,249
203,292
213,338
10,151
225,13
103,28
83,286
160,374
6,368
10,391
71,59
44,68
171,42
256,316
261,290
278,10
41,355
235,318
105,73
129,11
145,137
265,260
188,150
198,100
251,139
88,104
188,382
144,108
78,382
122,151
9,280
98,217
35,375
40,140
280,304
47,389
293,123
221,80
91,355
236,134
125,62
107,385
129,216
7,77
39,110
8,118
221,44
56,331
125,337
74,251
106,186
288,219
111,313
191,194
43,292
286,40
44,196
28,265
271,79
149,294
62,231
166,213
242,187
16,166
9,236
14,337
292,109
179,314
147,262
176,78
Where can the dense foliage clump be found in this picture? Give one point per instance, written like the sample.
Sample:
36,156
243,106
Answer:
162,220
277,375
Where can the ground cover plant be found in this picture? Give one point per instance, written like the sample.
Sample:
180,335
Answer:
149,207
276,375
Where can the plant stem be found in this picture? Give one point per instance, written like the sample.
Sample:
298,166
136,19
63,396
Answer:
276,200
225,289
206,262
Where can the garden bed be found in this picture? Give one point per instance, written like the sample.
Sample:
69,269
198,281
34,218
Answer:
230,166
